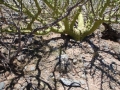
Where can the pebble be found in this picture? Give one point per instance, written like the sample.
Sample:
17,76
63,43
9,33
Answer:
75,61
83,76
30,40
2,85
52,43
25,50
64,69
17,86
70,82
70,46
86,88
116,49
86,64
4,51
21,57
51,75
54,48
65,65
63,56
31,67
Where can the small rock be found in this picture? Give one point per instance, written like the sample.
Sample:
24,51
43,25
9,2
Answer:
2,85
86,88
75,61
11,76
64,56
116,49
25,49
30,40
4,51
21,80
64,65
51,75
5,26
70,82
52,43
82,82
112,67
69,45
103,61
17,86
21,57
86,64
83,76
105,47
31,67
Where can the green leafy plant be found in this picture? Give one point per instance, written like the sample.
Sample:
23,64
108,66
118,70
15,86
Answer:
76,18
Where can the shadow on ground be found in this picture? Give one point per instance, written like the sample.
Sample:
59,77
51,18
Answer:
108,72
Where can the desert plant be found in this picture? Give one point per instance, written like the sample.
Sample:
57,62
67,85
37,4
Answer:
76,18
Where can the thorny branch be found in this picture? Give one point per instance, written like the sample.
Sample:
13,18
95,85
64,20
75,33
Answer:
11,59
45,27
92,8
60,18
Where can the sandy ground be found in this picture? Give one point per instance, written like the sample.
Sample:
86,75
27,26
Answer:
95,64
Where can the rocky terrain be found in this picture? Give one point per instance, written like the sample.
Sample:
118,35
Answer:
51,62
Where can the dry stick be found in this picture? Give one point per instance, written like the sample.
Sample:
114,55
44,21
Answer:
92,8
19,35
10,60
9,48
5,60
16,3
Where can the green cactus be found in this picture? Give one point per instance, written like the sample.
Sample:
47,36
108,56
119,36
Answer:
88,19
